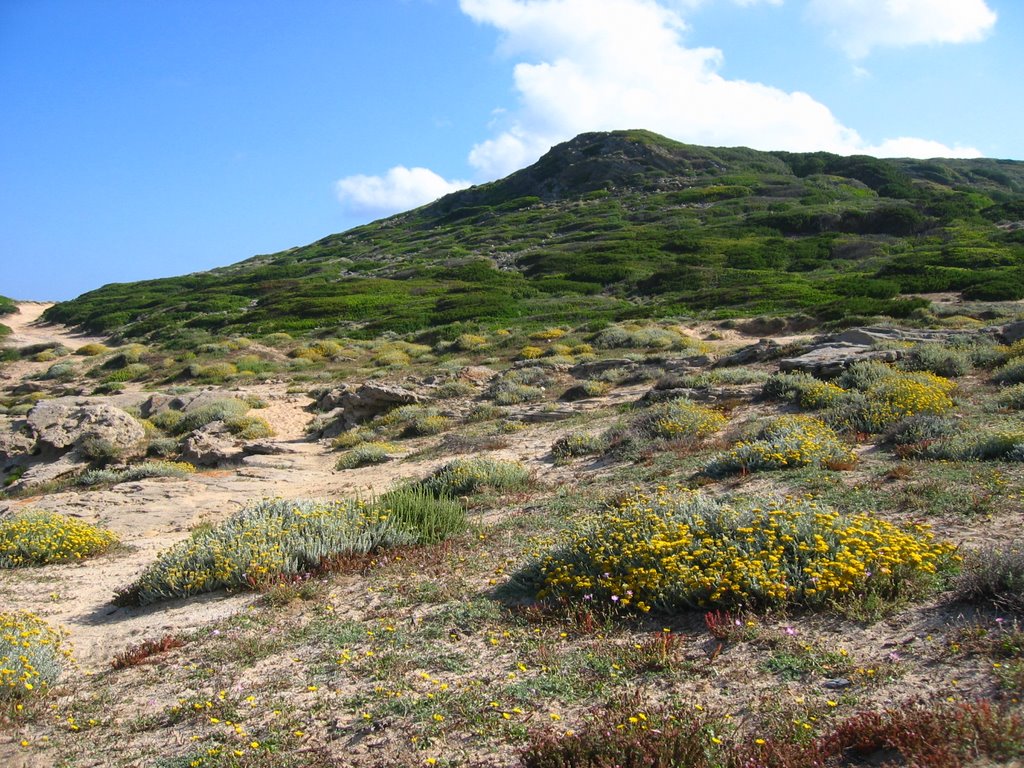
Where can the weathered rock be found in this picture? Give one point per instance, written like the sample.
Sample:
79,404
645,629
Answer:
477,374
13,439
368,401
765,349
593,367
699,394
1012,332
48,471
688,363
827,362
60,426
210,446
545,415
265,448
158,402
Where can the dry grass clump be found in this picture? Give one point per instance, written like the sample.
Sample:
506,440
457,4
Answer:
789,441
41,538
32,655
679,550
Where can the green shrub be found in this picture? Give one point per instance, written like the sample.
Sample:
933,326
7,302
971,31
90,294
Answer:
276,538
219,410
212,372
131,372
981,445
940,359
432,517
60,372
802,389
465,476
31,655
678,550
364,455
249,427
100,450
351,438
574,445
428,424
789,441
137,472
168,420
42,538
1011,373
1012,397
920,428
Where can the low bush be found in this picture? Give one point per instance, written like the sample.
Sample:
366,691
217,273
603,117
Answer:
137,472
92,349
572,446
677,550
212,372
920,428
219,410
980,445
249,427
465,476
994,576
365,454
789,441
1011,398
803,389
32,655
678,419
940,359
42,538
274,539
1011,373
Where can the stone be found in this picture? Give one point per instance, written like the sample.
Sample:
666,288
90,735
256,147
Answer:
477,374
370,400
765,349
827,362
61,426
13,439
41,472
592,368
210,446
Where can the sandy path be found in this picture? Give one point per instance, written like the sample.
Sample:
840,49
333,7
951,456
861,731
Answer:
27,328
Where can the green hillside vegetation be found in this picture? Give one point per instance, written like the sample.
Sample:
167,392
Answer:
617,226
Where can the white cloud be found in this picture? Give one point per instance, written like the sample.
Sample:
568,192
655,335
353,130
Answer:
858,26
399,189
587,65
907,146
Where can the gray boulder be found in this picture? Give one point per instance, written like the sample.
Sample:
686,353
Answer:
827,362
61,426
211,445
13,439
367,401
765,349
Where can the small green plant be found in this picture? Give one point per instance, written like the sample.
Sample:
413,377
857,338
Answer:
574,445
465,476
1011,373
249,427
32,655
219,410
365,454
994,575
40,538
136,472
1011,398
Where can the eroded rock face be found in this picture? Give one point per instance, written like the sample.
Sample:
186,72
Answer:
60,427
13,439
362,404
210,446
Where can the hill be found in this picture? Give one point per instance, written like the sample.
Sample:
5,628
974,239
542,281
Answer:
611,226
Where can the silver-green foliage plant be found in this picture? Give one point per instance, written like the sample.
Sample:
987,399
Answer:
274,538
365,454
136,472
464,476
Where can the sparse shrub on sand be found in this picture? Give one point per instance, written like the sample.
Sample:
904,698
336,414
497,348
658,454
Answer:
574,445
365,454
41,538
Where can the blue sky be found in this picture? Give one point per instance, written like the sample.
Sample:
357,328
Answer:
147,138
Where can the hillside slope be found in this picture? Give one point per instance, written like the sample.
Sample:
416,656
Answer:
617,225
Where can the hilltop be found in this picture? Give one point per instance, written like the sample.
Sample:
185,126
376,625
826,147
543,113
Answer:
612,226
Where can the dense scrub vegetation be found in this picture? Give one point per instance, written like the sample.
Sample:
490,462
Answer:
617,226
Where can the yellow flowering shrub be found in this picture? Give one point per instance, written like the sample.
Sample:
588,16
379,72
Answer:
530,352
680,419
548,334
678,549
31,655
789,441
41,538
905,394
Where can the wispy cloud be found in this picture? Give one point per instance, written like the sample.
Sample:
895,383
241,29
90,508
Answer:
858,26
399,189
